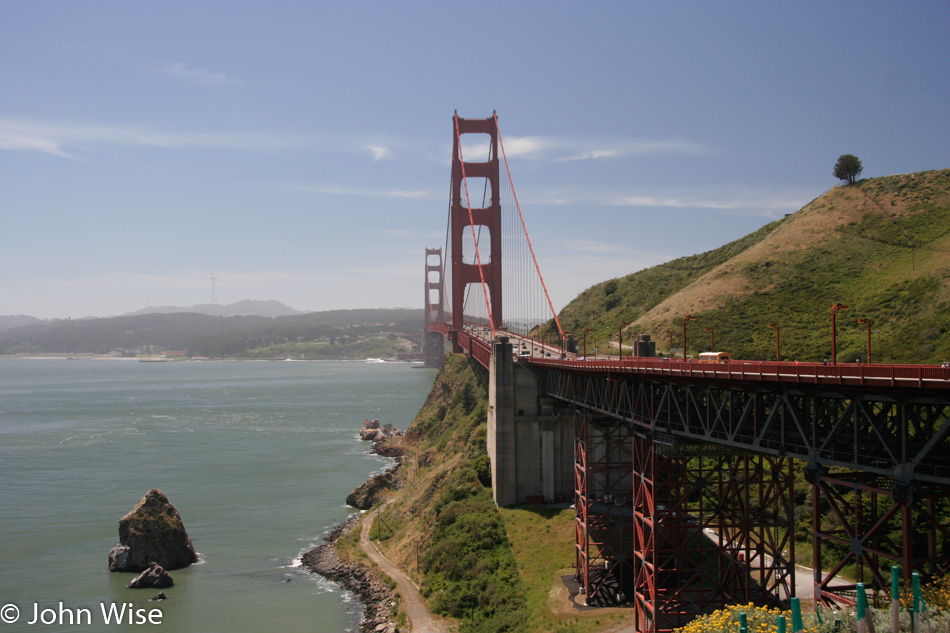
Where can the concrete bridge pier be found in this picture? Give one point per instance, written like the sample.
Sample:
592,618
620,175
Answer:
530,445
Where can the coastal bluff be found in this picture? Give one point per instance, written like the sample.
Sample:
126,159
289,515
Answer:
152,532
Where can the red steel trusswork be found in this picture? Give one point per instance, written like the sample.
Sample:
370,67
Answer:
712,496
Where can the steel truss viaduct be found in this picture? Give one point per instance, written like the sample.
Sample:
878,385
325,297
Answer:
685,492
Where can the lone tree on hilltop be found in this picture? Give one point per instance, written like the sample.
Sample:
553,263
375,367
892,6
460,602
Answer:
848,168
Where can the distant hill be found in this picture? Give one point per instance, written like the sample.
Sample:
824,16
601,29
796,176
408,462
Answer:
202,334
8,321
247,307
880,246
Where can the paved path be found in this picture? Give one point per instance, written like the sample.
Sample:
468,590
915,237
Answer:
420,620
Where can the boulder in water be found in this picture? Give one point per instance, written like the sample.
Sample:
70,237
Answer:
152,532
152,578
372,491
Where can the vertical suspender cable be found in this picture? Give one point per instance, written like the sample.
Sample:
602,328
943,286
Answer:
525,228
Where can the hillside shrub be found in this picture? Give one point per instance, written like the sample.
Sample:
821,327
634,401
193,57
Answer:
467,568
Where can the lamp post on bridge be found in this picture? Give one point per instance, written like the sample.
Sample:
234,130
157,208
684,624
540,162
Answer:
778,356
712,339
620,340
585,342
868,322
834,351
688,317
670,334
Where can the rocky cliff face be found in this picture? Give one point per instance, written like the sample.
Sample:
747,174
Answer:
152,532
369,493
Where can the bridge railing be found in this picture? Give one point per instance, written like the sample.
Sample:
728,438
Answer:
471,343
894,376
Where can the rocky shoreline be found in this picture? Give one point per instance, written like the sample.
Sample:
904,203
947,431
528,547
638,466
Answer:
378,599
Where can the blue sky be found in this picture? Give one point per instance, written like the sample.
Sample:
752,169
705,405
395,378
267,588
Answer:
299,151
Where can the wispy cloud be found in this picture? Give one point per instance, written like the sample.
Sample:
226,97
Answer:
413,234
595,151
334,190
197,76
68,139
550,148
759,201
590,246
379,152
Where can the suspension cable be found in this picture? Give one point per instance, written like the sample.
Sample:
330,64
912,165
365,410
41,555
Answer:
524,227
471,222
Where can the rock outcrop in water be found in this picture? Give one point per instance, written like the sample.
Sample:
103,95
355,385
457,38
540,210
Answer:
371,492
152,578
152,532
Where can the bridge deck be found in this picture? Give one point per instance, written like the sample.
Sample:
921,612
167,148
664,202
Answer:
855,376
737,371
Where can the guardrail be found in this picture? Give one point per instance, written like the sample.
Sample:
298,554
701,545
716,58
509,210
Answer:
806,373
854,375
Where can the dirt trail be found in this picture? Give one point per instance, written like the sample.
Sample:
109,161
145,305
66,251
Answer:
420,620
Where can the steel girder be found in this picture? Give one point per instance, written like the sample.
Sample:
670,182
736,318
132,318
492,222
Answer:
899,435
711,528
603,467
875,523
887,455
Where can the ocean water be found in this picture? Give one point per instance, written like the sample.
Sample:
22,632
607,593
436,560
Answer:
258,457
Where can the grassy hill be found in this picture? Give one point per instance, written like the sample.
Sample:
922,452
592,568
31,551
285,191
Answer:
880,246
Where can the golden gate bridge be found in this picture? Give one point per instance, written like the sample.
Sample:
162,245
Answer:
682,474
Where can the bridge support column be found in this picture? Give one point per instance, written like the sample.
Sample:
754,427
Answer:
548,439
711,527
529,443
604,546
502,445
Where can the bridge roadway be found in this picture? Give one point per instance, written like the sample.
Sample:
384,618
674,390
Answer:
477,343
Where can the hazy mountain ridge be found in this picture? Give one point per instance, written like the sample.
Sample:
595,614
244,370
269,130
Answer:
247,307
202,334
881,246
16,320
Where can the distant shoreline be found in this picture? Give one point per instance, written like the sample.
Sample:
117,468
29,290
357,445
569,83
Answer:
197,359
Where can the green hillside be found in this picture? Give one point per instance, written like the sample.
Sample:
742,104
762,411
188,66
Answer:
880,246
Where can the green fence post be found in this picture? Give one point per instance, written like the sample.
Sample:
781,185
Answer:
797,626
895,599
862,609
915,616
